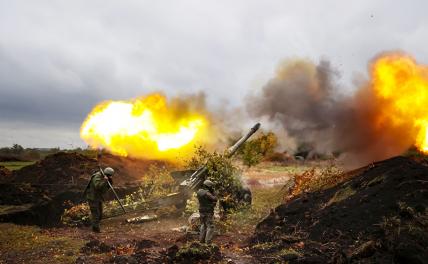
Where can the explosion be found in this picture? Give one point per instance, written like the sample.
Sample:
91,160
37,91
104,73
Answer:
147,127
385,116
401,86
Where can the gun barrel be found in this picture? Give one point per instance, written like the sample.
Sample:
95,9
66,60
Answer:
242,140
198,176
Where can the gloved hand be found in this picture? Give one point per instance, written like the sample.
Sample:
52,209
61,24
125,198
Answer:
108,179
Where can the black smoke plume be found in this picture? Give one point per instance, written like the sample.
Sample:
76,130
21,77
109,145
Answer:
307,101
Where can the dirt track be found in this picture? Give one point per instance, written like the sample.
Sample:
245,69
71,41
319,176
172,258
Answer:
123,241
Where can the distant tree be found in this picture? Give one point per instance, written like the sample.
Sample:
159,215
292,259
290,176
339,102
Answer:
5,151
268,142
261,147
251,154
17,149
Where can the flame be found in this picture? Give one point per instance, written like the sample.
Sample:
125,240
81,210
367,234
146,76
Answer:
401,89
148,127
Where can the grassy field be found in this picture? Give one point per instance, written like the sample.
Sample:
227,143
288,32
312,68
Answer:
244,221
16,165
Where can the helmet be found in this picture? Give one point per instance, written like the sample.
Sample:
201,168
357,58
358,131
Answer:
108,171
208,183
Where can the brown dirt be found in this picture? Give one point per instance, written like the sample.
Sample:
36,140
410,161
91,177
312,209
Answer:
151,242
333,224
55,183
69,168
5,174
59,168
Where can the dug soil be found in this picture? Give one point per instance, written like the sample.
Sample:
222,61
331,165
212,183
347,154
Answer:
75,168
38,194
5,174
378,216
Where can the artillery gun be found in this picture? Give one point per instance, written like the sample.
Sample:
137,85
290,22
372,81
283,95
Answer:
198,176
190,180
186,182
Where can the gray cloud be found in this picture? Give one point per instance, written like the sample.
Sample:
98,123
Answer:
59,58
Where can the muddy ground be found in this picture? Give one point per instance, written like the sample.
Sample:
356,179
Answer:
376,215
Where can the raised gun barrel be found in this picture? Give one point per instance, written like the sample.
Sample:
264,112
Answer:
198,176
238,144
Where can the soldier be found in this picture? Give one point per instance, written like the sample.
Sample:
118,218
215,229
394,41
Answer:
94,192
207,201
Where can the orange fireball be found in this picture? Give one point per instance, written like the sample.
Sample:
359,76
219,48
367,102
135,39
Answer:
401,89
148,127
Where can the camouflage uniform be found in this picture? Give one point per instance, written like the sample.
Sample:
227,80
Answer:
94,192
207,202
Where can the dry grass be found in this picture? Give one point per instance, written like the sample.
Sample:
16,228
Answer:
245,220
27,244
341,195
315,179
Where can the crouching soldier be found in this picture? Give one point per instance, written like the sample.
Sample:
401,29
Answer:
207,201
94,192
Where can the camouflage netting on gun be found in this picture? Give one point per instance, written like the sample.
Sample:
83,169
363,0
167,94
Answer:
221,171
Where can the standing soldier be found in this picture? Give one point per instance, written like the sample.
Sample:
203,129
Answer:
207,202
94,192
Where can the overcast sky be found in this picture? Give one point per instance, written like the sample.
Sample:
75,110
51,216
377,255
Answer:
60,58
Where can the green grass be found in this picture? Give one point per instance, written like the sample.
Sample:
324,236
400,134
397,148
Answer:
28,244
264,199
16,165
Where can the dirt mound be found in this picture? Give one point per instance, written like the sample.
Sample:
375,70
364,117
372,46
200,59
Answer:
43,211
5,174
39,193
58,168
130,169
74,168
380,215
21,194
